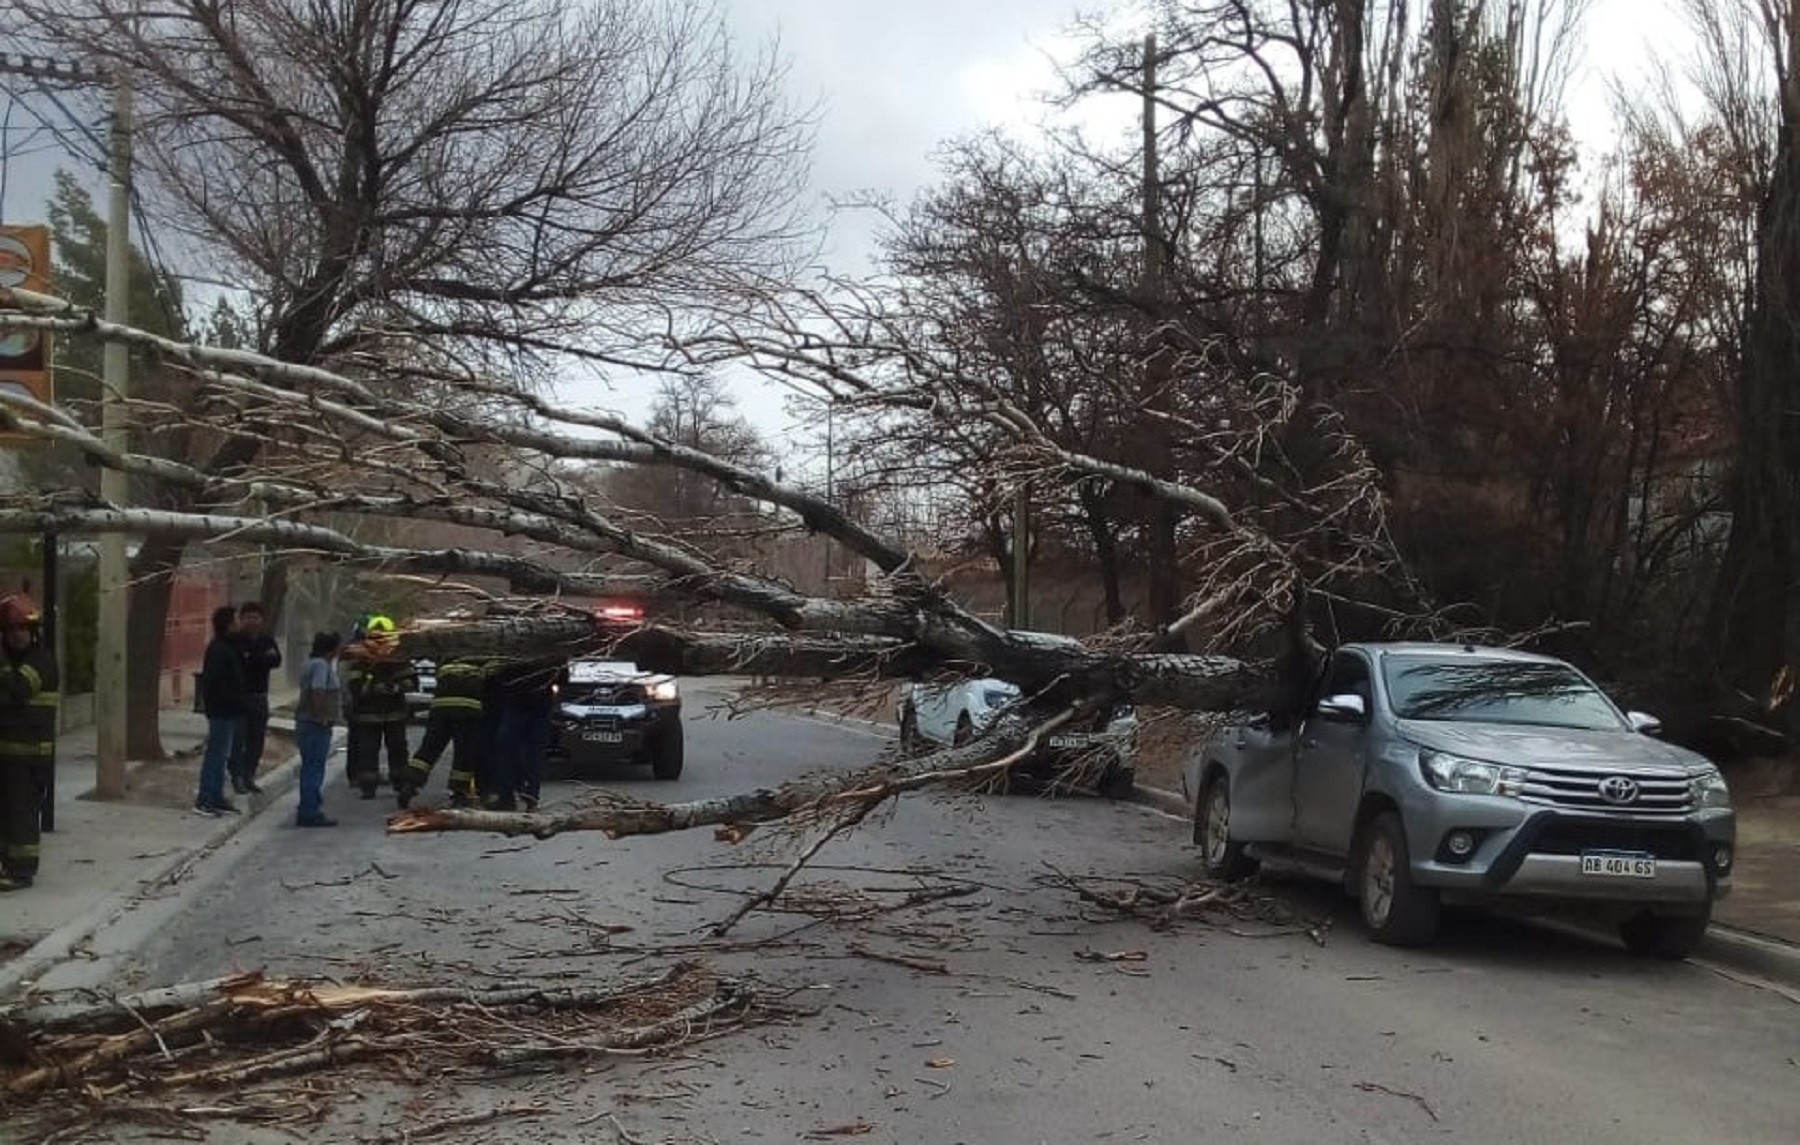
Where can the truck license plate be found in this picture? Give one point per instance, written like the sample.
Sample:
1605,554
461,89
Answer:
1618,866
595,735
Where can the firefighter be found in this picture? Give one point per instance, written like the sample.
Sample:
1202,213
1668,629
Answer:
28,698
455,721
377,681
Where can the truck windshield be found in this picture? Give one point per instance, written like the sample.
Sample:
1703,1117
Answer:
1496,691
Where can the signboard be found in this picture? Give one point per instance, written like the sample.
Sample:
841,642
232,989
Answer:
25,354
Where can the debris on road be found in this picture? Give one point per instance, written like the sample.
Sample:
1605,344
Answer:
209,1049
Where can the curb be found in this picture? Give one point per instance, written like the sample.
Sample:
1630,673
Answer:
18,974
1758,959
1168,802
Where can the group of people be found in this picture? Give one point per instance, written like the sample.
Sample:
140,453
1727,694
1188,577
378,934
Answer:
29,694
234,693
493,714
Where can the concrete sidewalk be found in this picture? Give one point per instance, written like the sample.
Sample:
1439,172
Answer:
103,858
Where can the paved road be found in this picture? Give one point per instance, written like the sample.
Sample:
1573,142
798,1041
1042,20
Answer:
1505,1033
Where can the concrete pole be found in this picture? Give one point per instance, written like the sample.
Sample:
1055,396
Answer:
1021,557
109,663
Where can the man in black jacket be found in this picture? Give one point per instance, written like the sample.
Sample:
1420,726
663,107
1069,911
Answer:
225,696
261,657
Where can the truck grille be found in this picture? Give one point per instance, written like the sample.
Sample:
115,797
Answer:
1581,791
1663,840
607,694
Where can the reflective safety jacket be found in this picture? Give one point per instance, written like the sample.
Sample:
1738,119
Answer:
378,690
28,698
459,686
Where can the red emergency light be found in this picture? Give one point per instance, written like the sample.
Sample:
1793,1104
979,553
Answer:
621,612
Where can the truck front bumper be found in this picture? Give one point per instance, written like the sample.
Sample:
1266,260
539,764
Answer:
1563,855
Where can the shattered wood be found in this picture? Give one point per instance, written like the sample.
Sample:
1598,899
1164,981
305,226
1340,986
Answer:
171,1052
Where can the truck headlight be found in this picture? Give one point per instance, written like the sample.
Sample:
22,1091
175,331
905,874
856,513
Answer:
1470,776
1710,790
667,690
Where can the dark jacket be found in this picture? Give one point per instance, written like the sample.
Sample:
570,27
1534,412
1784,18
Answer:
261,656
28,697
378,690
224,689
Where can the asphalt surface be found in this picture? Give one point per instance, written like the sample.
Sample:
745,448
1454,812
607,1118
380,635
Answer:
1055,1022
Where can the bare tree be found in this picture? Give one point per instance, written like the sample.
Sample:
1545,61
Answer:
1747,71
525,185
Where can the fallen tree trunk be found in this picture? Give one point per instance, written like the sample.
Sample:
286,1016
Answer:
827,796
1071,670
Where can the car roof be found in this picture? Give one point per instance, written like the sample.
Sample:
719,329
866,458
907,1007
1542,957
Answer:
1446,651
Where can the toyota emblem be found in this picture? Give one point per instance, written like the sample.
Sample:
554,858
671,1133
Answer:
1618,789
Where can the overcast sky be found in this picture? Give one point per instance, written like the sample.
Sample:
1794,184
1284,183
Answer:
892,79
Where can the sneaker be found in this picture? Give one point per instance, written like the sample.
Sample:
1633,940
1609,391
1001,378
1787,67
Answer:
206,809
14,883
238,786
316,821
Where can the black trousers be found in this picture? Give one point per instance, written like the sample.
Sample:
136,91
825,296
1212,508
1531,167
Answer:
362,754
462,732
247,754
19,808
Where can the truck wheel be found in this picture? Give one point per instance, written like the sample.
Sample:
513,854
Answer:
1397,911
665,758
1224,859
909,730
1670,936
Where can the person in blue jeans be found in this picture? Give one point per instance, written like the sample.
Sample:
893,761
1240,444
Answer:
319,709
225,697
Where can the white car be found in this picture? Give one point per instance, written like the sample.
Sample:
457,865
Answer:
1101,755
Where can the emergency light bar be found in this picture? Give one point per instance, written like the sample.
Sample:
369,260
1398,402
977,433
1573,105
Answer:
621,612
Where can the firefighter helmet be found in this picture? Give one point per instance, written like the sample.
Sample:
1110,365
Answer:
18,611
379,631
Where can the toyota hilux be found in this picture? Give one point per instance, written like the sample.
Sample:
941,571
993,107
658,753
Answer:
1420,774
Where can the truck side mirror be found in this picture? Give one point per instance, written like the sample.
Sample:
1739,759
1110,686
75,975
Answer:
1643,722
1347,708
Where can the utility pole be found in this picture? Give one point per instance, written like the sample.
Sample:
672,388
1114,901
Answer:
1164,583
1021,557
110,676
830,475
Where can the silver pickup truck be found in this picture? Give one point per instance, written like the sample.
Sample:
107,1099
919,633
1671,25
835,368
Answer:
1422,773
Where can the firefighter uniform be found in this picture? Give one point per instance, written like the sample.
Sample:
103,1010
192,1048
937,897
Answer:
28,700
454,722
377,687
